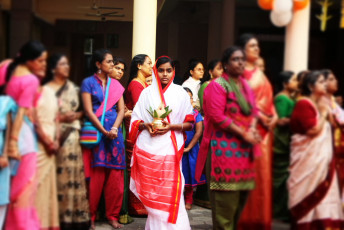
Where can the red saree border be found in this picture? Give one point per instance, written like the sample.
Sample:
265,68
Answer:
321,224
135,131
309,202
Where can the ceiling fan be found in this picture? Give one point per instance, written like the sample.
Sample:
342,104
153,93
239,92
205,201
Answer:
99,11
109,14
94,6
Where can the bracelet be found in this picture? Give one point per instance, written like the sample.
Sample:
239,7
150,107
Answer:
14,138
182,126
114,128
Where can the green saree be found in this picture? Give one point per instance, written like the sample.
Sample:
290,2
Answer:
281,150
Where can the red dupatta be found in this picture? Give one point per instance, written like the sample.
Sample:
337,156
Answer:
177,190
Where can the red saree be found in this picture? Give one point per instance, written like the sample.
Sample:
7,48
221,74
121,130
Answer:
131,97
257,213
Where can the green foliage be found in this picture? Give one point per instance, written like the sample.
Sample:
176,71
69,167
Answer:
164,115
154,114
150,111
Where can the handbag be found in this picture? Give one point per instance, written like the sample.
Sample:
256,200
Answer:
90,136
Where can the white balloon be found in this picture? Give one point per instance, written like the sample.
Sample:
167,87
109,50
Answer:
280,6
281,19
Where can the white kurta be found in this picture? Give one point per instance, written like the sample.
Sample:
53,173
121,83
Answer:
194,86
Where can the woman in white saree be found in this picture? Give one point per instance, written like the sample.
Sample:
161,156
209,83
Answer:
314,198
156,177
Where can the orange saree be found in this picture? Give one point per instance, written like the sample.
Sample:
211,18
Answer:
257,213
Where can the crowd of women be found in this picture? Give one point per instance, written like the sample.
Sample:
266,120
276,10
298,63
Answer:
262,156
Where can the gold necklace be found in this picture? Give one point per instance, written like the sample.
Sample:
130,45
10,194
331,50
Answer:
141,82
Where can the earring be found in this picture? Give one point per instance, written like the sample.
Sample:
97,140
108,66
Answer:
99,71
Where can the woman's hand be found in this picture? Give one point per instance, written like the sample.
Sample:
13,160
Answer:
3,161
252,136
187,149
69,117
112,134
283,121
52,148
164,129
149,127
13,150
272,122
127,113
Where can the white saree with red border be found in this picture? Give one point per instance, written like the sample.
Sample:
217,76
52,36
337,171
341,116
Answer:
156,175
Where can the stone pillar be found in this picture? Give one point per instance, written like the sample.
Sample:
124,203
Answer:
144,28
20,24
228,26
297,41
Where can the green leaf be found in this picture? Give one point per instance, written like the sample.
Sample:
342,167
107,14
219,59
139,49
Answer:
166,113
150,112
155,114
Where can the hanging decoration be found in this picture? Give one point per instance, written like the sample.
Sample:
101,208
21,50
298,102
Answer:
281,13
282,10
324,17
342,17
266,4
281,6
300,4
281,19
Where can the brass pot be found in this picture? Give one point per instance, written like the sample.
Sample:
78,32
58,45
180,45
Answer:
157,123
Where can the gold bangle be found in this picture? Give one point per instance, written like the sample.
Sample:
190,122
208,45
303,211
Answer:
182,126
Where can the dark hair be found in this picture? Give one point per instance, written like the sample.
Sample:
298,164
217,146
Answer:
326,73
98,56
188,90
193,62
283,78
163,60
28,52
119,60
228,53
211,66
309,80
244,39
301,75
52,63
138,59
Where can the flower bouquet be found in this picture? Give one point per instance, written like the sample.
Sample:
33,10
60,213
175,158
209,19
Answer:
159,115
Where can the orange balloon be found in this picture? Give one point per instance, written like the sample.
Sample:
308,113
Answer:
266,4
300,4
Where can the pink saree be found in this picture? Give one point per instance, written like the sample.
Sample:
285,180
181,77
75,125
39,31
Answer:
257,213
21,211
